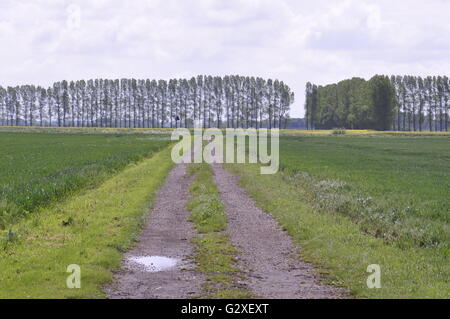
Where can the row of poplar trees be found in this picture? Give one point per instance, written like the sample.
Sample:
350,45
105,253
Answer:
402,103
230,101
423,103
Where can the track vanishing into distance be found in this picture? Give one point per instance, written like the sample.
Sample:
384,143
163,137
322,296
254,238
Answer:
267,256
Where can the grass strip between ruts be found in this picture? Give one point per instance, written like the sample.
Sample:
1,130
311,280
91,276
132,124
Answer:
214,254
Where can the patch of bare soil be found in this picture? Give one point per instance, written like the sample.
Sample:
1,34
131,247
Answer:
267,254
166,234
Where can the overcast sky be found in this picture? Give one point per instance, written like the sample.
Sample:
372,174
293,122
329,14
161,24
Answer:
322,41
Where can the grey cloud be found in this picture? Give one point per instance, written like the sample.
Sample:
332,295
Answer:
294,41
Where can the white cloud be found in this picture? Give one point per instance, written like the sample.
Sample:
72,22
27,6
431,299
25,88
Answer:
322,41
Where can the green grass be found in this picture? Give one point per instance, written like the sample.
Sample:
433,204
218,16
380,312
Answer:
91,229
38,168
336,245
355,201
214,255
396,188
207,210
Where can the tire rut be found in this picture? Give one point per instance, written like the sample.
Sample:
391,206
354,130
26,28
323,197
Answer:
167,233
267,254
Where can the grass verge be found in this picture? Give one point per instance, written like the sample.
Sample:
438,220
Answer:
91,230
214,255
341,251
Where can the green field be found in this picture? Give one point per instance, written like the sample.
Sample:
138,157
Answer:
349,201
396,188
36,169
353,201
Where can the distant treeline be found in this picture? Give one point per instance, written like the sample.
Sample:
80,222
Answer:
403,103
230,101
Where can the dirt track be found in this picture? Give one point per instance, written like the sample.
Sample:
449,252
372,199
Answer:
267,255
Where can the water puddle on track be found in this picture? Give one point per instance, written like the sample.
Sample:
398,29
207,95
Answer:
154,263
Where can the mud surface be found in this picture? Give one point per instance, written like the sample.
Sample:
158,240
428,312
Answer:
267,254
167,234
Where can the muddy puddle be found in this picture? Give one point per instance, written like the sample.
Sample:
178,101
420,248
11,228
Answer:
154,263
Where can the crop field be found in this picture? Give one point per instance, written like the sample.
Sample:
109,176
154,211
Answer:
351,201
397,188
36,169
